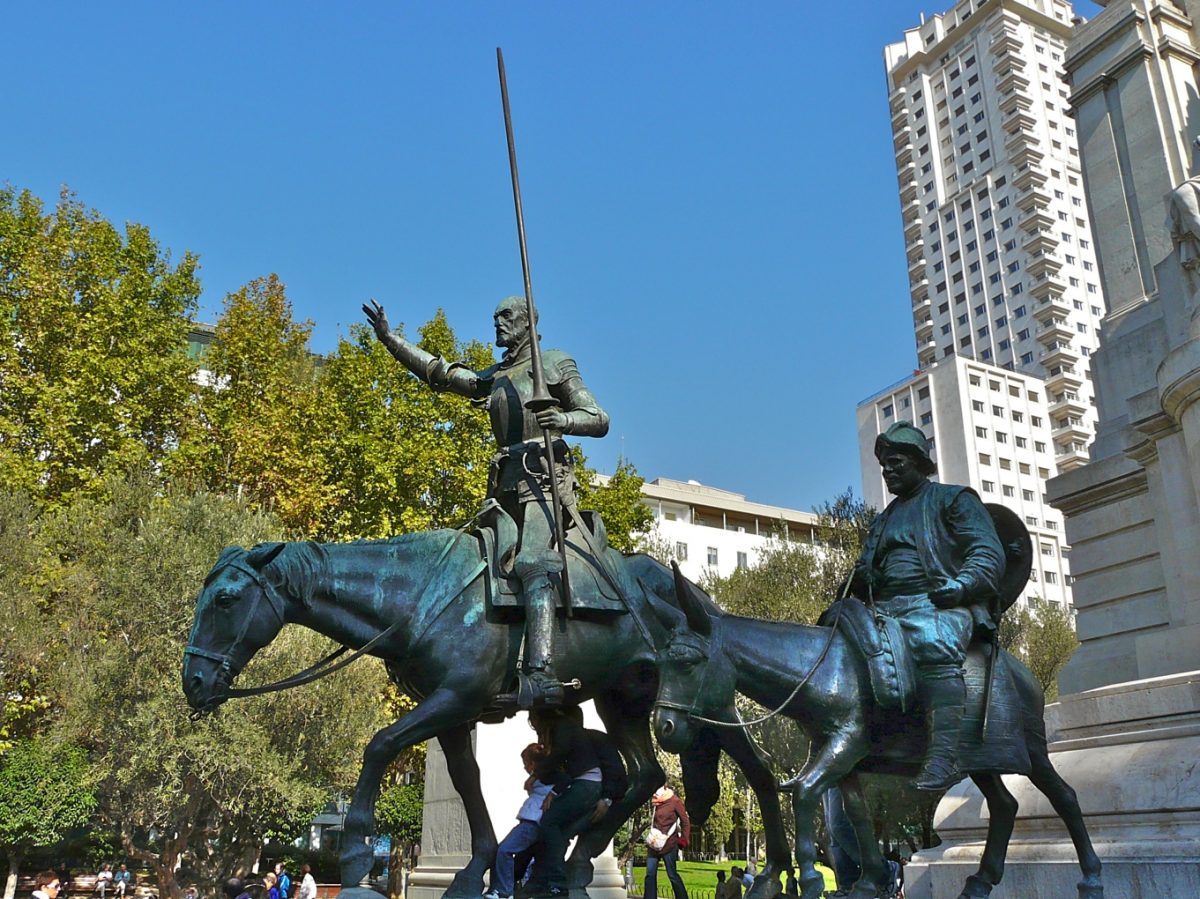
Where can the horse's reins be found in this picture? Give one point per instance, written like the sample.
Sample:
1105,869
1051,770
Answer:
740,723
325,665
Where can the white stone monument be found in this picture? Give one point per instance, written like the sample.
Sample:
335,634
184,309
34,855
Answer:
445,837
1126,733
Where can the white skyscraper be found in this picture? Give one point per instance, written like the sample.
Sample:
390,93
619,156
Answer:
1001,261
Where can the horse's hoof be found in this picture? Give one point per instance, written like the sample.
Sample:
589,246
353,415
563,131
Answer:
1091,888
976,888
812,887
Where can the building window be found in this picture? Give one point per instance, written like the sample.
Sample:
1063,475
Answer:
1027,495
988,487
1008,491
977,405
888,411
680,552
712,557
742,561
927,418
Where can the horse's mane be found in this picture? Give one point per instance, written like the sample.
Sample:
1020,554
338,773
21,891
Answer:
296,571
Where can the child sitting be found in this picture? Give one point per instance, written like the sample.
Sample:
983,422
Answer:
526,834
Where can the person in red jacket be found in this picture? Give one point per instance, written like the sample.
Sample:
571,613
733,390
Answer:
671,818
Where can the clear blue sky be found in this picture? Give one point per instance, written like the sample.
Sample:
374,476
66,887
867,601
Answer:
710,190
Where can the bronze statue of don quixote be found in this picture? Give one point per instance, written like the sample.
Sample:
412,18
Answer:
903,674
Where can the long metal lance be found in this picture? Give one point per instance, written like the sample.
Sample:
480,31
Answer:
541,398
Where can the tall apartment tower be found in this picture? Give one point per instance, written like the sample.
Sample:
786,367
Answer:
1001,259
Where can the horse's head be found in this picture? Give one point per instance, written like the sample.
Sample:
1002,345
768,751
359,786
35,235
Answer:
694,678
238,612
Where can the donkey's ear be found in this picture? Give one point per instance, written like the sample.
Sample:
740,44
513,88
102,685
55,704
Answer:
692,600
263,554
668,616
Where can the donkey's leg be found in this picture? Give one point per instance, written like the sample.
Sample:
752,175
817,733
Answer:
464,774
1066,803
744,752
629,729
826,766
875,875
1002,815
437,713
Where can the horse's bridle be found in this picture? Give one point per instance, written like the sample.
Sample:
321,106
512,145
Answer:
229,668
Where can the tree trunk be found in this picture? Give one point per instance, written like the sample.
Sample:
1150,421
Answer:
14,868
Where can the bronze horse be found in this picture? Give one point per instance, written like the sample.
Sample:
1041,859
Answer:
451,651
710,656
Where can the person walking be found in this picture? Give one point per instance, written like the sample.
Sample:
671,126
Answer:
308,883
669,818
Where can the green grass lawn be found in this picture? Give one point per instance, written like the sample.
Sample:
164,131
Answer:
700,878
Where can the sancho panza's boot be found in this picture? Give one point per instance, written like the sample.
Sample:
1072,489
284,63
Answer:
943,693
537,684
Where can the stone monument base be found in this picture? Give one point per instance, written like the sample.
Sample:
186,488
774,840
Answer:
1132,754
445,836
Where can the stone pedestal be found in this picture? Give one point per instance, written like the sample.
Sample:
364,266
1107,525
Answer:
1131,751
445,836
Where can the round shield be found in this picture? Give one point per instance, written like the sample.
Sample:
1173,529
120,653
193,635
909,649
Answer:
1018,555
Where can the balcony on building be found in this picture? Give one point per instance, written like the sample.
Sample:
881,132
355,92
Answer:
1012,79
1051,307
1069,430
1032,196
899,116
1070,459
1038,218
1055,330
1019,119
904,158
1028,154
1047,286
1066,402
899,97
1030,176
908,189
924,330
1058,355
916,259
920,289
902,136
1007,59
912,228
1019,138
1043,264
1062,378
1042,240
1015,99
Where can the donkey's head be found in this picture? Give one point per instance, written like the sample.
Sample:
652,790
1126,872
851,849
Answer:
695,679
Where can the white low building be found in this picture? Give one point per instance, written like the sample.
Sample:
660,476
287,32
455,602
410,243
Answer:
712,530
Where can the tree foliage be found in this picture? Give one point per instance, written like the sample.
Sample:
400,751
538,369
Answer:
45,792
618,500
1044,640
94,372
120,576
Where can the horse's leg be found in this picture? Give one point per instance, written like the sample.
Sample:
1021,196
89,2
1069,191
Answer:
1066,803
464,774
630,732
825,767
744,752
875,874
441,710
1002,815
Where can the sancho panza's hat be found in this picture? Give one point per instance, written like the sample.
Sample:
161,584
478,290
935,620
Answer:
906,438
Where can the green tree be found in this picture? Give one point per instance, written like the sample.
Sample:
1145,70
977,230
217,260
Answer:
22,703
114,617
1047,644
254,432
401,457
45,792
618,499
94,372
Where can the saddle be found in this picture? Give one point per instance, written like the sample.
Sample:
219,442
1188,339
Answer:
590,588
1001,747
